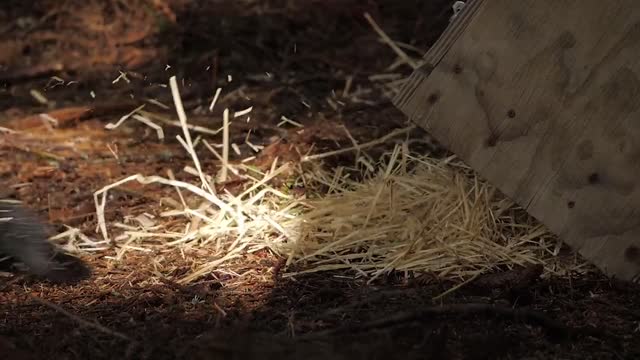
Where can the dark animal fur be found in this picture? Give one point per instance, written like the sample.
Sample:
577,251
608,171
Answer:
23,237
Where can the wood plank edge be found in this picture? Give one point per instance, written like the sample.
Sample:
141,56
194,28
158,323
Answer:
436,53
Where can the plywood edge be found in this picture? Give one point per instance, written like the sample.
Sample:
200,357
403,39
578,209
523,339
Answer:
616,253
436,53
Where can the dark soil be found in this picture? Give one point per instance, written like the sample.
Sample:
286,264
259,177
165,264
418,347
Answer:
249,310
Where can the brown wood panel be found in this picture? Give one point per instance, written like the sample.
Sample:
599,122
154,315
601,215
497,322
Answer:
542,98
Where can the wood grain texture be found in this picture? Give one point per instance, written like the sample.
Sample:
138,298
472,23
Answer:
542,98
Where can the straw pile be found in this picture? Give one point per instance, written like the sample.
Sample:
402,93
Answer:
414,214
405,213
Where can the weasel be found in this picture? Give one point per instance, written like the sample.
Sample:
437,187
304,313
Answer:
24,238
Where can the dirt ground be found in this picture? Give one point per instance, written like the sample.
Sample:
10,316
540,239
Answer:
249,310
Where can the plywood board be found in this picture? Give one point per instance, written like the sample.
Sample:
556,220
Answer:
542,98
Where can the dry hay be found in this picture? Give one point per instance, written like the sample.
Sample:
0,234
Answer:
414,213
405,212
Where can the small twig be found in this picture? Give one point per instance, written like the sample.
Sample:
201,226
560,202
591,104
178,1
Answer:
370,299
42,154
455,288
359,147
83,322
554,327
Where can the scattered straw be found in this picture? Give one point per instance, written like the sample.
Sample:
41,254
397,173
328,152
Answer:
215,99
194,128
122,76
360,147
150,124
39,97
158,103
347,86
242,112
111,126
406,212
286,120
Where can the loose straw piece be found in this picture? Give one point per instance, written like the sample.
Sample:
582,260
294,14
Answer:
360,147
182,116
215,99
225,145
390,42
90,324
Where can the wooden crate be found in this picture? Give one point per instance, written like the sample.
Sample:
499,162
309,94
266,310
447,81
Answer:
542,98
